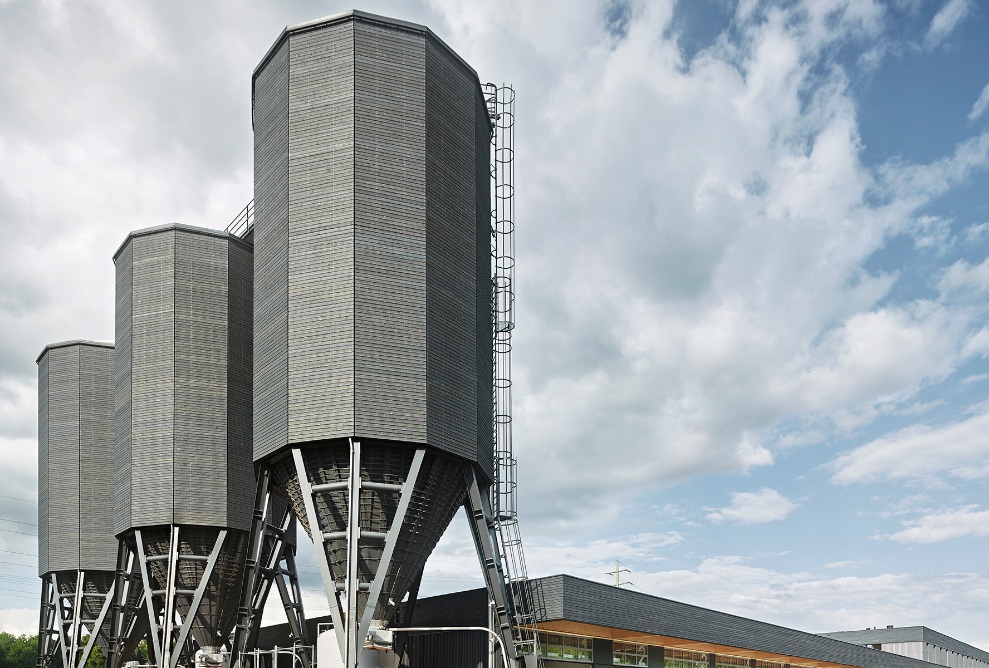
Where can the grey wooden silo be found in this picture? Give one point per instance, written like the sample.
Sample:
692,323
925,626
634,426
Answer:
372,297
77,549
184,477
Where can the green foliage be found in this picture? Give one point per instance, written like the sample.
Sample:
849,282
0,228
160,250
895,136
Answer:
18,651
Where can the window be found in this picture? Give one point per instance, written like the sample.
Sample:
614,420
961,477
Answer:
725,661
682,658
630,654
561,647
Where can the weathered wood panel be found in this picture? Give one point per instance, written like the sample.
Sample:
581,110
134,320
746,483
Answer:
390,233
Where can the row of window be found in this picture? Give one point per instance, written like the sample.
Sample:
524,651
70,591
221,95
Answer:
563,647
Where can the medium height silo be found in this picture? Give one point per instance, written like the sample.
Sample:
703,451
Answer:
372,299
184,477
76,544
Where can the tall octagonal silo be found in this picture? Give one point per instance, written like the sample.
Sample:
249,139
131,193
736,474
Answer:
184,477
372,298
76,544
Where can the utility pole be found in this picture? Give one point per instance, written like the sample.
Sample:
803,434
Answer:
618,574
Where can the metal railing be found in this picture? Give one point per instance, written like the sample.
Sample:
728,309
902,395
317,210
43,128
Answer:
243,222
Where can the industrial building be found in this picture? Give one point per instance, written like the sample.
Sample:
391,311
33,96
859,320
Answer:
918,642
339,356
594,624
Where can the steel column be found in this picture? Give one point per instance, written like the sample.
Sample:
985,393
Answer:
482,529
329,584
390,540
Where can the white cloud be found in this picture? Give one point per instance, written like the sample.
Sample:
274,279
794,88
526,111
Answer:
959,449
766,505
20,621
961,276
945,525
981,104
950,603
946,20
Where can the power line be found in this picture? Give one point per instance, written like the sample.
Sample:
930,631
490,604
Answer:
18,532
4,519
18,499
11,563
26,554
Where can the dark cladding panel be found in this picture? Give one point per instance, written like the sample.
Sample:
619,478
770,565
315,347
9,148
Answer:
97,545
240,379
43,465
451,257
122,405
320,236
271,255
63,458
200,358
390,233
152,379
484,358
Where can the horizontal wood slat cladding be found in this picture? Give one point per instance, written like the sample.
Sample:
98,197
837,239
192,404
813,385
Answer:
390,234
368,194
122,409
43,488
75,458
240,383
97,544
484,359
152,379
320,235
184,388
271,255
63,458
451,260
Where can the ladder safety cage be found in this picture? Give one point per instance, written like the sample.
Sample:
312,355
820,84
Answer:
527,609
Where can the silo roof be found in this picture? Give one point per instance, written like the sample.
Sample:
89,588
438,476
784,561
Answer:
205,231
74,342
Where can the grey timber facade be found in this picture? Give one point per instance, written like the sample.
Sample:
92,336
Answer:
918,642
75,458
183,379
372,241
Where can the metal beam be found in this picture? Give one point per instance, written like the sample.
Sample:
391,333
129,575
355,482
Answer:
169,621
197,597
332,598
246,612
97,625
351,650
148,598
391,538
481,525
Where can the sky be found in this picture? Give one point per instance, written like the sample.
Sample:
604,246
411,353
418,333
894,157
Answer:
750,361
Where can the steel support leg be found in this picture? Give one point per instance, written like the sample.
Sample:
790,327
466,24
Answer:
391,538
329,584
48,630
198,596
247,610
97,625
482,529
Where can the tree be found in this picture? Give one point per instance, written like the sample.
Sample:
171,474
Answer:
18,651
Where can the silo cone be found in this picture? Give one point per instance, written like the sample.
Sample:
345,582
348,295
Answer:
372,331
184,477
76,545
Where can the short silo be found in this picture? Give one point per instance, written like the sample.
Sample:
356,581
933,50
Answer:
184,477
77,549
372,299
